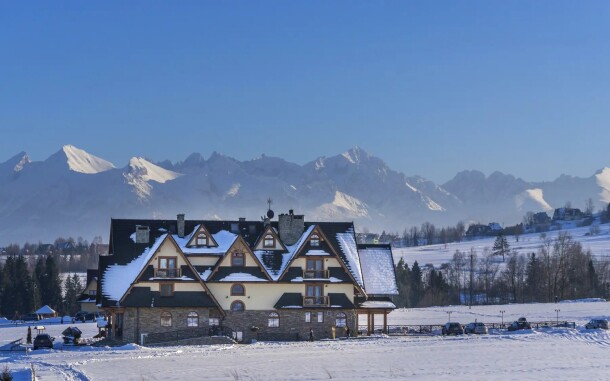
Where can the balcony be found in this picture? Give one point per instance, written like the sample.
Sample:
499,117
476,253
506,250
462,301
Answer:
168,273
315,274
316,301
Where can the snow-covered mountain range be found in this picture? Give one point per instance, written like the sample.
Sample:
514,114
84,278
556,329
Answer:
74,193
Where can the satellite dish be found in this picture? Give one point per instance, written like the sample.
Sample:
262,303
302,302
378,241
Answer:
270,213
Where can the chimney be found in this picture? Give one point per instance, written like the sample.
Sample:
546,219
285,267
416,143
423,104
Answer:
142,234
180,224
291,227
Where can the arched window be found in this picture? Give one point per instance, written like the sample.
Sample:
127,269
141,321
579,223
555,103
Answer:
269,241
237,259
202,239
192,319
274,320
238,290
237,306
314,240
166,319
341,319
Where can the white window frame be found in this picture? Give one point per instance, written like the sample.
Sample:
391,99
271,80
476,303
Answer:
320,317
307,317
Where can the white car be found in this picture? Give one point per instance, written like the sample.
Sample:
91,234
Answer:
478,328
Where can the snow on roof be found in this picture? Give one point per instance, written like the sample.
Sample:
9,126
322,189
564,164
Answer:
118,278
242,277
316,252
45,310
286,257
223,238
378,271
347,242
377,304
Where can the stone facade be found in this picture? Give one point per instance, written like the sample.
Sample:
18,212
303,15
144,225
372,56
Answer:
292,324
141,320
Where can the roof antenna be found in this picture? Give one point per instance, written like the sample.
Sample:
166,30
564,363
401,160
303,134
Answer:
270,214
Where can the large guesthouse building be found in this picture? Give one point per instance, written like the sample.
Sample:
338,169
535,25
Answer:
284,279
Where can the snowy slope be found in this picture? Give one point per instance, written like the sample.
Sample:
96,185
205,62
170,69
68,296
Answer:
83,162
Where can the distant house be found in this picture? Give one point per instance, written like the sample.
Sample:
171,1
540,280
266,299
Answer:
541,218
259,280
46,312
45,248
567,214
88,296
65,246
477,230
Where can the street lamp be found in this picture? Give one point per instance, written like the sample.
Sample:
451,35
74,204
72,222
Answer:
449,313
502,312
557,311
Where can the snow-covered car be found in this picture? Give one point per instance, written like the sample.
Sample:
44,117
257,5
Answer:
597,324
453,329
476,327
521,323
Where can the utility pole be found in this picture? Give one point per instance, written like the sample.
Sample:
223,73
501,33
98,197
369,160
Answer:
471,279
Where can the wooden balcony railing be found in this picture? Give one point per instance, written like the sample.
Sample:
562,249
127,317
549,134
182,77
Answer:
319,301
315,274
167,273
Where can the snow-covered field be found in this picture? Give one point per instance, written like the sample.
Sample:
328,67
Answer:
544,354
436,255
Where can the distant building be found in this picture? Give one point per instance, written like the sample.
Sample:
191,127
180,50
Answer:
567,214
87,298
478,230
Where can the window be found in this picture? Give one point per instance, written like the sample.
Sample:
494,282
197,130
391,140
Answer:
214,322
269,241
167,262
341,319
274,320
320,317
92,292
307,317
314,240
237,306
192,319
166,319
237,259
238,290
234,227
202,239
166,289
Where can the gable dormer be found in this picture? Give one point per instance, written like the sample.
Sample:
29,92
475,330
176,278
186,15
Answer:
316,244
201,238
269,241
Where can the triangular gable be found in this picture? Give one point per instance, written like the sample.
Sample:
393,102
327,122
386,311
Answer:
334,252
278,244
239,241
183,257
201,229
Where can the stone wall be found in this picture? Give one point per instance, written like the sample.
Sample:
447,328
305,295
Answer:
292,324
148,320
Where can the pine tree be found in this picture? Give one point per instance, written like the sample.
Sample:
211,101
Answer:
52,284
73,288
403,278
416,285
501,246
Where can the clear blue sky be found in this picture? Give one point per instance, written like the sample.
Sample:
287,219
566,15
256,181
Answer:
431,87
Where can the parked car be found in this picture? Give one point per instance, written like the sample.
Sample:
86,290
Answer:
30,317
597,324
43,340
87,316
521,323
453,329
476,327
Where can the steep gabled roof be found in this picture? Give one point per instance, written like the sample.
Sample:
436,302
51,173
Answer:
377,266
193,237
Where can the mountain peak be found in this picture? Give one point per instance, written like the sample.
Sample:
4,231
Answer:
80,161
145,170
17,162
355,155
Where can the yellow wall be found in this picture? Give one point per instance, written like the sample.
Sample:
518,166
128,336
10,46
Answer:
261,296
203,261
328,262
178,286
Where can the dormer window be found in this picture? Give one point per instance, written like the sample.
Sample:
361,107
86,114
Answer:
269,241
202,239
314,240
238,259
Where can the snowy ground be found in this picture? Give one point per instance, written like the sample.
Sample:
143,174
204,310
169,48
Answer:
545,354
528,243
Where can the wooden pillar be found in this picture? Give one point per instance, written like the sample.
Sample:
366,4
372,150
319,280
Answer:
372,322
385,322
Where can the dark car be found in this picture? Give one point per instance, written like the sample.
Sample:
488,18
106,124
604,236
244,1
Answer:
86,316
597,324
453,329
521,323
43,340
